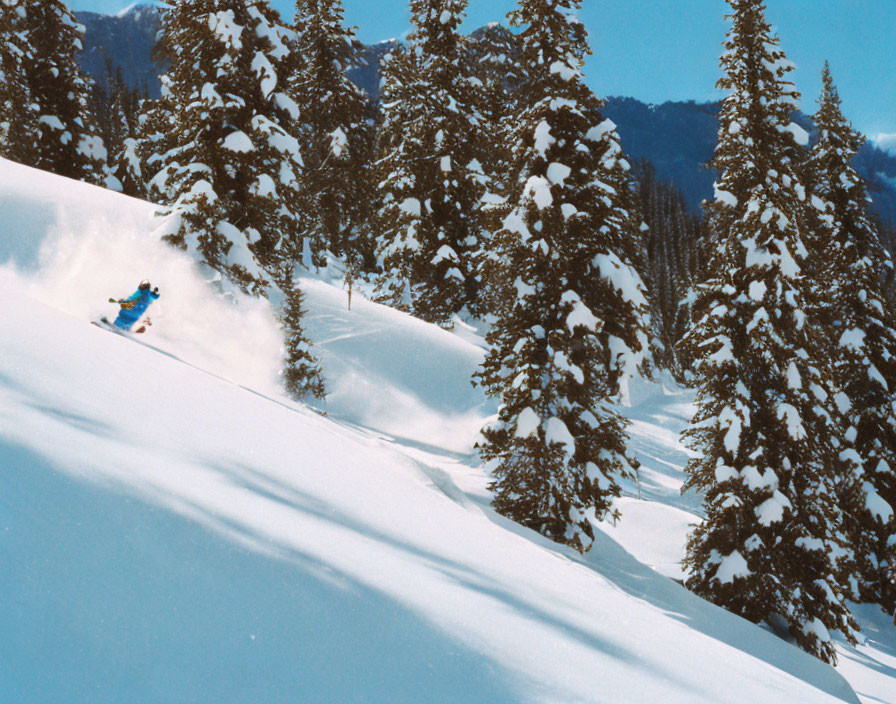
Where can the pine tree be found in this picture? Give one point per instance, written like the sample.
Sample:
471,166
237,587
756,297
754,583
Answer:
68,142
767,437
227,158
116,111
431,179
128,163
143,154
155,135
631,245
848,260
301,371
887,236
498,78
120,113
675,238
573,321
126,108
336,138
19,125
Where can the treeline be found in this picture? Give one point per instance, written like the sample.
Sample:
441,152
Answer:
487,184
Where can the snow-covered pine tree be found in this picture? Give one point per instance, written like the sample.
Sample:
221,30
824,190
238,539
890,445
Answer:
143,153
431,179
228,162
227,158
301,371
633,242
155,136
19,125
887,232
336,138
121,131
848,261
772,541
116,110
110,108
68,141
127,165
675,238
493,56
574,321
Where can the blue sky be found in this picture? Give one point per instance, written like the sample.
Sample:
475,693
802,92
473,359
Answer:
657,50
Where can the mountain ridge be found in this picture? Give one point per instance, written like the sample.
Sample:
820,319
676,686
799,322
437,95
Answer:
678,137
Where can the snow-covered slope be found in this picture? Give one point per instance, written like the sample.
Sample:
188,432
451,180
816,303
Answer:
172,529
73,246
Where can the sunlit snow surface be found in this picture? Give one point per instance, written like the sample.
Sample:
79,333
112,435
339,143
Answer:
172,529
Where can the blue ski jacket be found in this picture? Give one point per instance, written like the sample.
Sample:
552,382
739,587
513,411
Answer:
134,306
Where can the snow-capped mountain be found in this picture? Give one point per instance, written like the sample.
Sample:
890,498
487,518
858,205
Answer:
677,137
122,41
886,142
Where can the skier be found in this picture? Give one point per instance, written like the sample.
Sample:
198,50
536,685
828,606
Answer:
135,305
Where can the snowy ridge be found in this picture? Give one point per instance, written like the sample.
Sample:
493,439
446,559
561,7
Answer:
178,531
886,142
127,10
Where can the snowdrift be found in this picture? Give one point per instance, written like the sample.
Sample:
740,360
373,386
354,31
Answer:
172,529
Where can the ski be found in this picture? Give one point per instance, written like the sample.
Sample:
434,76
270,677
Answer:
105,324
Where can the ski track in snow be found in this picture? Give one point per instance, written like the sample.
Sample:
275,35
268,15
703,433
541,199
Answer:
331,567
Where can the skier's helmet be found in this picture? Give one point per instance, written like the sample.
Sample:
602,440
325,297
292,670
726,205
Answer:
145,284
